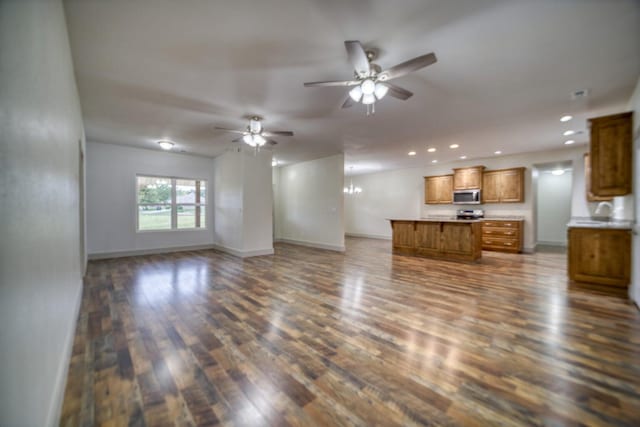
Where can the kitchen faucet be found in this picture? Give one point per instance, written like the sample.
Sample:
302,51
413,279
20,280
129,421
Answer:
603,204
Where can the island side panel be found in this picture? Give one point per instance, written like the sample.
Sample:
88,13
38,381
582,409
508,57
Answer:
404,239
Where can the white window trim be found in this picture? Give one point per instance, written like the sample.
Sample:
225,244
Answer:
173,205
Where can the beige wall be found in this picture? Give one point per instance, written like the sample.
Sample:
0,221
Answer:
309,203
40,251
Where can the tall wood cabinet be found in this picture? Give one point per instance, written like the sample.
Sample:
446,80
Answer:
601,256
469,178
438,189
503,186
611,153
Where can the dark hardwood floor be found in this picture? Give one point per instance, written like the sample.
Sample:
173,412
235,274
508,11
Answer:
311,337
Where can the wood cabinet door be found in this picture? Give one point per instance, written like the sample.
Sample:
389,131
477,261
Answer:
611,140
600,256
427,238
511,185
445,189
491,187
438,189
460,178
457,238
474,178
468,178
587,182
403,234
431,189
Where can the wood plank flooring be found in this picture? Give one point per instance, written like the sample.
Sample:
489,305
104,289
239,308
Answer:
310,337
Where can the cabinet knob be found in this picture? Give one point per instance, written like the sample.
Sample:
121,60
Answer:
508,224
507,243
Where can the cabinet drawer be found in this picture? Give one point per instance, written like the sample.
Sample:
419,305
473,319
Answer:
506,224
500,243
500,232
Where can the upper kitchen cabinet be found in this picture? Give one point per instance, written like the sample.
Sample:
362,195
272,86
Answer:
468,178
587,181
438,189
503,186
610,155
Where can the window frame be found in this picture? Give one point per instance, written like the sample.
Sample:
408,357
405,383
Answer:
173,206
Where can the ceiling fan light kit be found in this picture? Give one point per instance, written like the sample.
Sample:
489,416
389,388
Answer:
254,135
370,83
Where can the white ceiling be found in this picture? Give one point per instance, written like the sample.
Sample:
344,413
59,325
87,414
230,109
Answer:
148,70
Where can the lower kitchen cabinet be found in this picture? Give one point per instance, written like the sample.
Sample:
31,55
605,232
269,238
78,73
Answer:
502,235
447,239
601,256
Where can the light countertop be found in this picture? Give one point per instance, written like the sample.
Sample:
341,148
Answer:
586,222
436,219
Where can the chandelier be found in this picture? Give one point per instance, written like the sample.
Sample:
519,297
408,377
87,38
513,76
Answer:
351,189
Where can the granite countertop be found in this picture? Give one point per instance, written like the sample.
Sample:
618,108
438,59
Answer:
505,218
587,222
443,218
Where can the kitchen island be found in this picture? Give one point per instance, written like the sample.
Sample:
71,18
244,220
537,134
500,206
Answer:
442,237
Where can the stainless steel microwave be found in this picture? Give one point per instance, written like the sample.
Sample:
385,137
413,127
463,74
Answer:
466,197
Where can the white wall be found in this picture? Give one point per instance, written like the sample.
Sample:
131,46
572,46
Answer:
40,259
400,193
111,198
243,202
554,207
310,203
228,201
257,199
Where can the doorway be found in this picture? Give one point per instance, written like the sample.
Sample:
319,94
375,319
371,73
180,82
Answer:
553,205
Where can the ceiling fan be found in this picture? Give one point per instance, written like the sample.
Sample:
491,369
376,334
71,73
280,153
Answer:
254,135
370,83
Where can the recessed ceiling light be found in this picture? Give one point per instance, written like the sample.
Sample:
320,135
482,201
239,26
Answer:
165,144
558,172
463,157
454,146
274,162
411,153
569,132
498,152
434,161
431,150
565,118
569,142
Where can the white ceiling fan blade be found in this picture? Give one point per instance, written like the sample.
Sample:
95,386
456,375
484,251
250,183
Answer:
230,130
407,67
277,132
349,102
357,57
398,92
332,83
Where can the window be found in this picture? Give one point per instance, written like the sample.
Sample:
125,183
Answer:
171,203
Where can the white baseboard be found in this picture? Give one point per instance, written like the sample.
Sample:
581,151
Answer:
526,250
243,254
121,254
55,410
368,236
313,244
558,244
